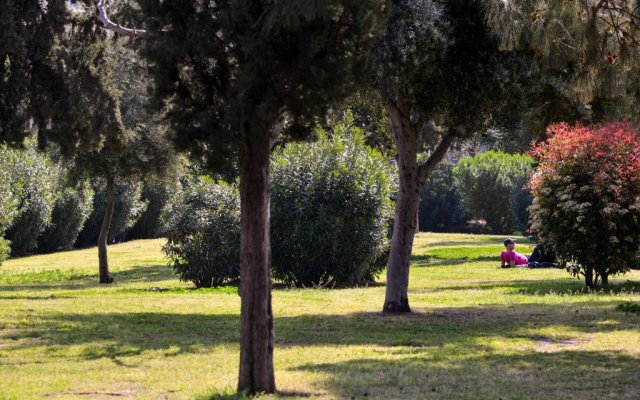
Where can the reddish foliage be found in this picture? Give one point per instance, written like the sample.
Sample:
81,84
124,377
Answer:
611,151
586,196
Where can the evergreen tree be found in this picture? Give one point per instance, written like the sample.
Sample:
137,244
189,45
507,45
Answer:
440,76
52,70
60,77
230,77
591,48
144,151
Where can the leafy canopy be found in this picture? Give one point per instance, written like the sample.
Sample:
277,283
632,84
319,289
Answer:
587,195
228,69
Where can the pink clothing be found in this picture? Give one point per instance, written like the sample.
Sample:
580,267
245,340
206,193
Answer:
510,255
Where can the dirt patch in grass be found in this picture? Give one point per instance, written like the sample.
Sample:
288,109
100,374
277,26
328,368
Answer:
551,345
98,394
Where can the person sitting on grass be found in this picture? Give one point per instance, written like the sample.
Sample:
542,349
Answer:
510,258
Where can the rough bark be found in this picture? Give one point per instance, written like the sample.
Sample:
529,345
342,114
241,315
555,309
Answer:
257,334
411,179
103,260
404,226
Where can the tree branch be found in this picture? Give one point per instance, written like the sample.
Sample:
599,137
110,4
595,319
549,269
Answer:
427,168
276,129
103,17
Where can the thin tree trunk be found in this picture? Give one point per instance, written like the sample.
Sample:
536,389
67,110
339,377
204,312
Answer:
404,224
103,259
588,278
257,334
605,278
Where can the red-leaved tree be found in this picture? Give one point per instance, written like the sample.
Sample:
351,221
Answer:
586,197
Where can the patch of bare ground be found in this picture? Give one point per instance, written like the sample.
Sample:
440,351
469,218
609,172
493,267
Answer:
551,345
100,394
22,342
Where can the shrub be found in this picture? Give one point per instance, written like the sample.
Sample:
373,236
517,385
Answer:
519,203
33,178
330,210
70,212
487,181
128,207
203,233
586,197
8,198
150,225
5,249
441,208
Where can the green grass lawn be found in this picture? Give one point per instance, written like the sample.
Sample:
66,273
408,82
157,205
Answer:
478,331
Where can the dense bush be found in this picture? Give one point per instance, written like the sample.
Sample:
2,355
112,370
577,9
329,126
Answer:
330,214
487,182
203,233
5,249
150,225
8,198
72,208
519,203
330,210
33,178
441,208
586,193
127,209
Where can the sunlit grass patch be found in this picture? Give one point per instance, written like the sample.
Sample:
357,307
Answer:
472,253
44,276
477,331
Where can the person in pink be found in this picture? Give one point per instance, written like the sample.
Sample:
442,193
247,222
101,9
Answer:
511,258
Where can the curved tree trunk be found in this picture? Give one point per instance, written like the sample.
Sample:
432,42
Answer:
256,334
407,202
405,225
103,260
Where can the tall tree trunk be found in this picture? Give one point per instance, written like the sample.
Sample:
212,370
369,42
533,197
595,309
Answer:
257,334
404,224
103,259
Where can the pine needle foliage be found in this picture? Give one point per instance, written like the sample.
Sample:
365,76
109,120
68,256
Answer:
226,67
594,45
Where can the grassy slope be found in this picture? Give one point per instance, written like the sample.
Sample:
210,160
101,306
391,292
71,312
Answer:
478,332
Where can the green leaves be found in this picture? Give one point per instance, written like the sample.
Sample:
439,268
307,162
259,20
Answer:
487,183
28,198
203,233
330,210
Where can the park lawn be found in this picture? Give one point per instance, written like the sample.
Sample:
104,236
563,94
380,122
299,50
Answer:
477,331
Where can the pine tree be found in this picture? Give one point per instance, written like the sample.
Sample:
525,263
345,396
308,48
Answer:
231,76
440,76
144,151
52,77
591,47
65,77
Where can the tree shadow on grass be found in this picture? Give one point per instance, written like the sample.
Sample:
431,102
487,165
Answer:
136,274
564,374
569,286
422,261
117,335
